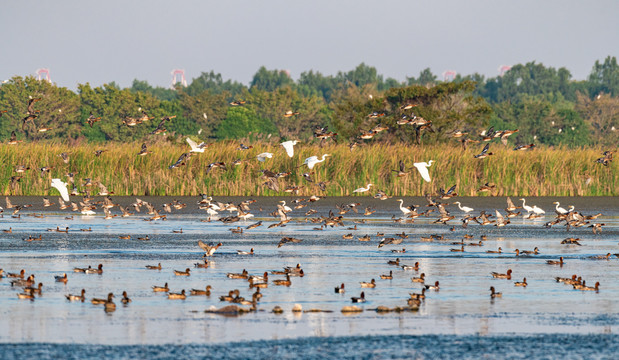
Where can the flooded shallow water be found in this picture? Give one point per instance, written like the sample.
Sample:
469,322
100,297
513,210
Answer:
462,308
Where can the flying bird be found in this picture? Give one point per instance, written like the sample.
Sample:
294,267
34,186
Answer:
62,188
423,169
289,146
313,160
263,156
195,147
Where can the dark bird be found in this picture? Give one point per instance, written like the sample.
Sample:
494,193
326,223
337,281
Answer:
92,119
181,160
484,153
402,169
144,150
30,109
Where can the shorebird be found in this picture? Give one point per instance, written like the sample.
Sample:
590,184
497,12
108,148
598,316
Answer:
361,189
466,209
423,169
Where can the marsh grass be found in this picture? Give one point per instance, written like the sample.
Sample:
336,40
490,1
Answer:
543,171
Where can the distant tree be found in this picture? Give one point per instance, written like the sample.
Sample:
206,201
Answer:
602,116
604,77
214,83
57,109
158,92
240,121
270,80
426,77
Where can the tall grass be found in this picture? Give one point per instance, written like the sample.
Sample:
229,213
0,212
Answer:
541,172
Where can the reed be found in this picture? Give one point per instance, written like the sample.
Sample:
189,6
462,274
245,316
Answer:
543,171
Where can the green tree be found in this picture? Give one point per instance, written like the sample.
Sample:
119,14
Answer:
270,80
214,83
242,121
604,77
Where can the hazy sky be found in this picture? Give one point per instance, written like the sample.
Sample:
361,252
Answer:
120,40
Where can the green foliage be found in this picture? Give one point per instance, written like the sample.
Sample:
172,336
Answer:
241,121
215,84
604,77
270,80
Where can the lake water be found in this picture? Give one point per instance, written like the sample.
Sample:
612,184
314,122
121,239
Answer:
461,312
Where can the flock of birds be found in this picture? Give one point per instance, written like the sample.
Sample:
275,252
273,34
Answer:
241,212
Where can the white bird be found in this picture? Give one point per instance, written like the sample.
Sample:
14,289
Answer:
466,209
526,207
262,157
289,146
285,207
538,210
195,147
404,210
423,169
313,160
62,187
560,210
360,190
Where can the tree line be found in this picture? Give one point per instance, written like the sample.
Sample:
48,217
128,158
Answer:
544,103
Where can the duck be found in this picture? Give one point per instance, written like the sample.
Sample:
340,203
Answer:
23,282
583,287
98,270
17,275
387,277
81,297
414,267
281,282
241,252
263,277
206,291
125,300
434,287
34,290
99,301
498,251
522,283
507,275
154,267
420,279
26,296
177,296
203,264
243,275
371,284
62,279
527,252
359,299
494,294
395,262
232,294
209,250
182,273
555,262
163,288
340,289
419,296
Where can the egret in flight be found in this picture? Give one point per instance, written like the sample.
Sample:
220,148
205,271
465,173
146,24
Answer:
62,187
289,146
195,147
423,169
313,160
262,157
360,190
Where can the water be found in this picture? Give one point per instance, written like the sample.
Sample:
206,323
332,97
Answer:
462,311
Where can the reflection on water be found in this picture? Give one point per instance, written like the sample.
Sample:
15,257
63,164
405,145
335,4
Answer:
461,307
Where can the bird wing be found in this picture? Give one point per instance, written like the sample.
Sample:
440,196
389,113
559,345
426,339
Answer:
204,246
423,170
62,188
193,144
289,146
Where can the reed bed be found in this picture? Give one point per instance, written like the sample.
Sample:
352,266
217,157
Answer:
543,171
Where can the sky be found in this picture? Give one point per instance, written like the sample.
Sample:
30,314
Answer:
98,42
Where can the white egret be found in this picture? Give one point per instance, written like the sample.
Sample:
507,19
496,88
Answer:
195,147
526,207
466,209
360,190
313,160
538,210
289,146
62,187
404,210
423,169
559,210
262,157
